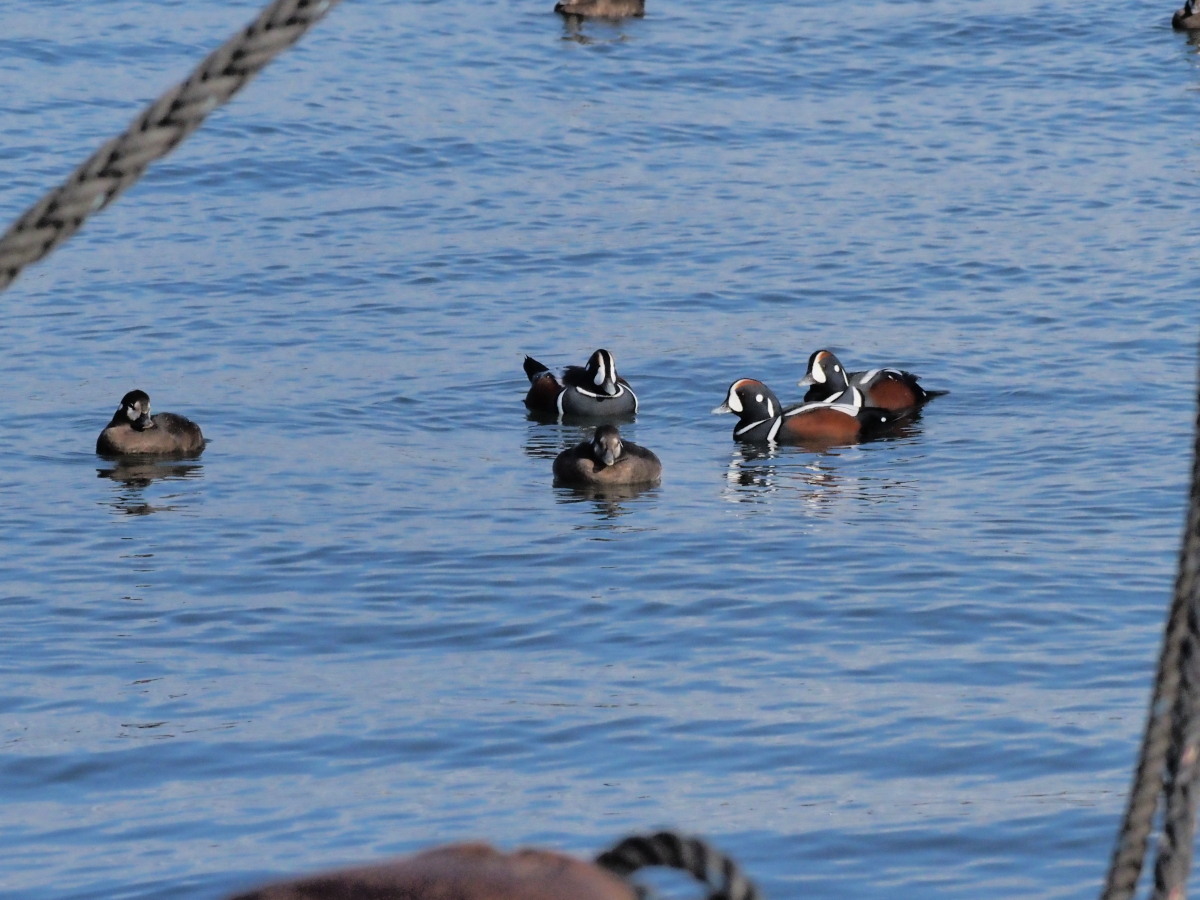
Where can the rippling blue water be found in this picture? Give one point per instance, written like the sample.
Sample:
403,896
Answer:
364,621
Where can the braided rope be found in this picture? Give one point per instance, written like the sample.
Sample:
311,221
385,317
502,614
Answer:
1179,818
1169,741
692,855
160,128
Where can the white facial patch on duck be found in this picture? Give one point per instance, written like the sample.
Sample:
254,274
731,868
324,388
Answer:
818,372
733,401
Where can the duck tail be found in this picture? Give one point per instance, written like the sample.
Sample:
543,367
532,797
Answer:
534,369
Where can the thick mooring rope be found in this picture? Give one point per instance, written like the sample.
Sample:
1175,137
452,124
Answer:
1179,819
160,128
692,855
1167,760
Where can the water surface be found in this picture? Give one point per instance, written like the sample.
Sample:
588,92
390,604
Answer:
364,621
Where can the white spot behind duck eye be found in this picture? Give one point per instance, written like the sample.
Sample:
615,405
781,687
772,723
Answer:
758,398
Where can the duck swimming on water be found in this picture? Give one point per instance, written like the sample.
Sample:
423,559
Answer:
1187,18
591,391
602,9
892,389
607,461
134,432
762,419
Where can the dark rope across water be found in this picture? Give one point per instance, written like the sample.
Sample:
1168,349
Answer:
160,128
1167,760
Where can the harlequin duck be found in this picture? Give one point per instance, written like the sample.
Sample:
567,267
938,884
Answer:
591,391
606,460
1186,19
763,419
890,389
134,432
602,9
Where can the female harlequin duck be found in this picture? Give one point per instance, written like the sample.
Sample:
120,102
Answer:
591,391
890,389
602,9
1186,19
606,460
762,419
134,432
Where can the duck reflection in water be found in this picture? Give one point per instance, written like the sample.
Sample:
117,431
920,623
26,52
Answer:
820,479
133,476
754,474
609,501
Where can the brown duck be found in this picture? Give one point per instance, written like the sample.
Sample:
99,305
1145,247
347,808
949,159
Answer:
134,432
606,460
602,9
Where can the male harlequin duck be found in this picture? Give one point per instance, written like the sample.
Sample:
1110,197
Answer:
591,391
1186,19
763,419
602,9
606,460
891,389
134,432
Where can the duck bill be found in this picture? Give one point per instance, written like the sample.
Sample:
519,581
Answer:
723,408
806,380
